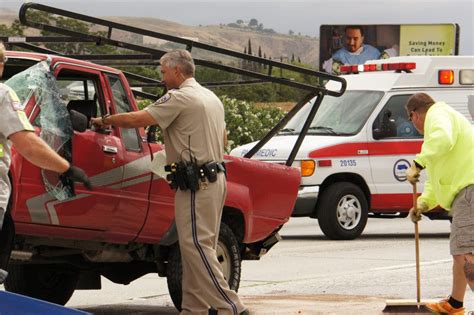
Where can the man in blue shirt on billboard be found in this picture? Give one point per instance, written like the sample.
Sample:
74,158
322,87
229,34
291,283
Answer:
355,51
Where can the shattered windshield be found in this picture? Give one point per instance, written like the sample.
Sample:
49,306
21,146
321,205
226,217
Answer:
53,118
344,115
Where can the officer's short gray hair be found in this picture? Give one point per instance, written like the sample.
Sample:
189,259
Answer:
181,59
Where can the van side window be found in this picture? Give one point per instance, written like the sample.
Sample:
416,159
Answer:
393,122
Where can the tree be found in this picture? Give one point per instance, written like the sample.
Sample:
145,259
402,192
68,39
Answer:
253,23
260,51
249,49
16,29
290,32
269,30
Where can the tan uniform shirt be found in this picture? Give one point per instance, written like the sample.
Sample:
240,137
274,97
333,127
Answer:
191,117
12,120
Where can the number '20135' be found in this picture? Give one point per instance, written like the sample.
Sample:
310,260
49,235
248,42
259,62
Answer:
346,163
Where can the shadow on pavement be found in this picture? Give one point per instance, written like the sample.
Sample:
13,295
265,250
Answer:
121,309
281,304
370,236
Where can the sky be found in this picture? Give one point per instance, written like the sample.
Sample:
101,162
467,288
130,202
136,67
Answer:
300,16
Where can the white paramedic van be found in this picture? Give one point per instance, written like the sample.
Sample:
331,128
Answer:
358,146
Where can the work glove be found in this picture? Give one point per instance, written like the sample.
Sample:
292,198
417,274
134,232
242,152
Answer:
77,175
413,173
421,207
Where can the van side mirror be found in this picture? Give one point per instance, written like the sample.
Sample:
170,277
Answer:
385,126
79,121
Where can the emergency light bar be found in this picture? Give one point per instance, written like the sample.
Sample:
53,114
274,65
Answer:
399,66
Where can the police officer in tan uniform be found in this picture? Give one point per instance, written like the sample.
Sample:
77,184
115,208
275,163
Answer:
15,127
192,120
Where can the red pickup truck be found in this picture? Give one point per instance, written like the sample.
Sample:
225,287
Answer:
68,237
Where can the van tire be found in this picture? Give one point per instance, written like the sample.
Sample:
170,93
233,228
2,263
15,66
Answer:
342,211
228,254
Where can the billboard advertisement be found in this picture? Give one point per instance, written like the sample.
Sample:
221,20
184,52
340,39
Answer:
355,44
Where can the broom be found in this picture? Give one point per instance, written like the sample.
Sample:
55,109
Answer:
410,306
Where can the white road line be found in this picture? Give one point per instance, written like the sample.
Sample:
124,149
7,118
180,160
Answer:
428,263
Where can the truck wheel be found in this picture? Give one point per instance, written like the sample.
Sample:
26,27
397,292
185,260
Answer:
228,254
49,282
342,211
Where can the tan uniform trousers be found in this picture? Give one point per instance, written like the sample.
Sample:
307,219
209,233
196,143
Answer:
198,216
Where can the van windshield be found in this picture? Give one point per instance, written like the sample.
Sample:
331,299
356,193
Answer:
344,115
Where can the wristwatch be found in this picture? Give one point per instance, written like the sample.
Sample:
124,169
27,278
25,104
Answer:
104,117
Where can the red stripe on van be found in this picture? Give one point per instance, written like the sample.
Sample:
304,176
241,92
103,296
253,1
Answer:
394,202
368,148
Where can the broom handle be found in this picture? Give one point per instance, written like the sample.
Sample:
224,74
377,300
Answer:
417,249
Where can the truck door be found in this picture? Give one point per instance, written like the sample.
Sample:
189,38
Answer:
136,176
70,204
392,148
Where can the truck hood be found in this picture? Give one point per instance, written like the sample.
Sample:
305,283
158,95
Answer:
279,147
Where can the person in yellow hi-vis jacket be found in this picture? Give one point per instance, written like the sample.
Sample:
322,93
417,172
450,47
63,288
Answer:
16,128
447,154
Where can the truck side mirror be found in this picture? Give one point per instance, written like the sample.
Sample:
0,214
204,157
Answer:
385,126
79,121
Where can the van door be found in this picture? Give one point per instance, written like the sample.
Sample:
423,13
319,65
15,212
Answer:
392,147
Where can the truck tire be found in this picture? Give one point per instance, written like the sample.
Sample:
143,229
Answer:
228,254
49,282
342,211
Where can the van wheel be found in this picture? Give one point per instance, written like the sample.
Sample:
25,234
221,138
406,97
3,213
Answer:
49,282
228,254
342,211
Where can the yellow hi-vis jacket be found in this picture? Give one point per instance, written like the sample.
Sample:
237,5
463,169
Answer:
447,154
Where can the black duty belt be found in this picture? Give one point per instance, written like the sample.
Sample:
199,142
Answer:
188,175
211,169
